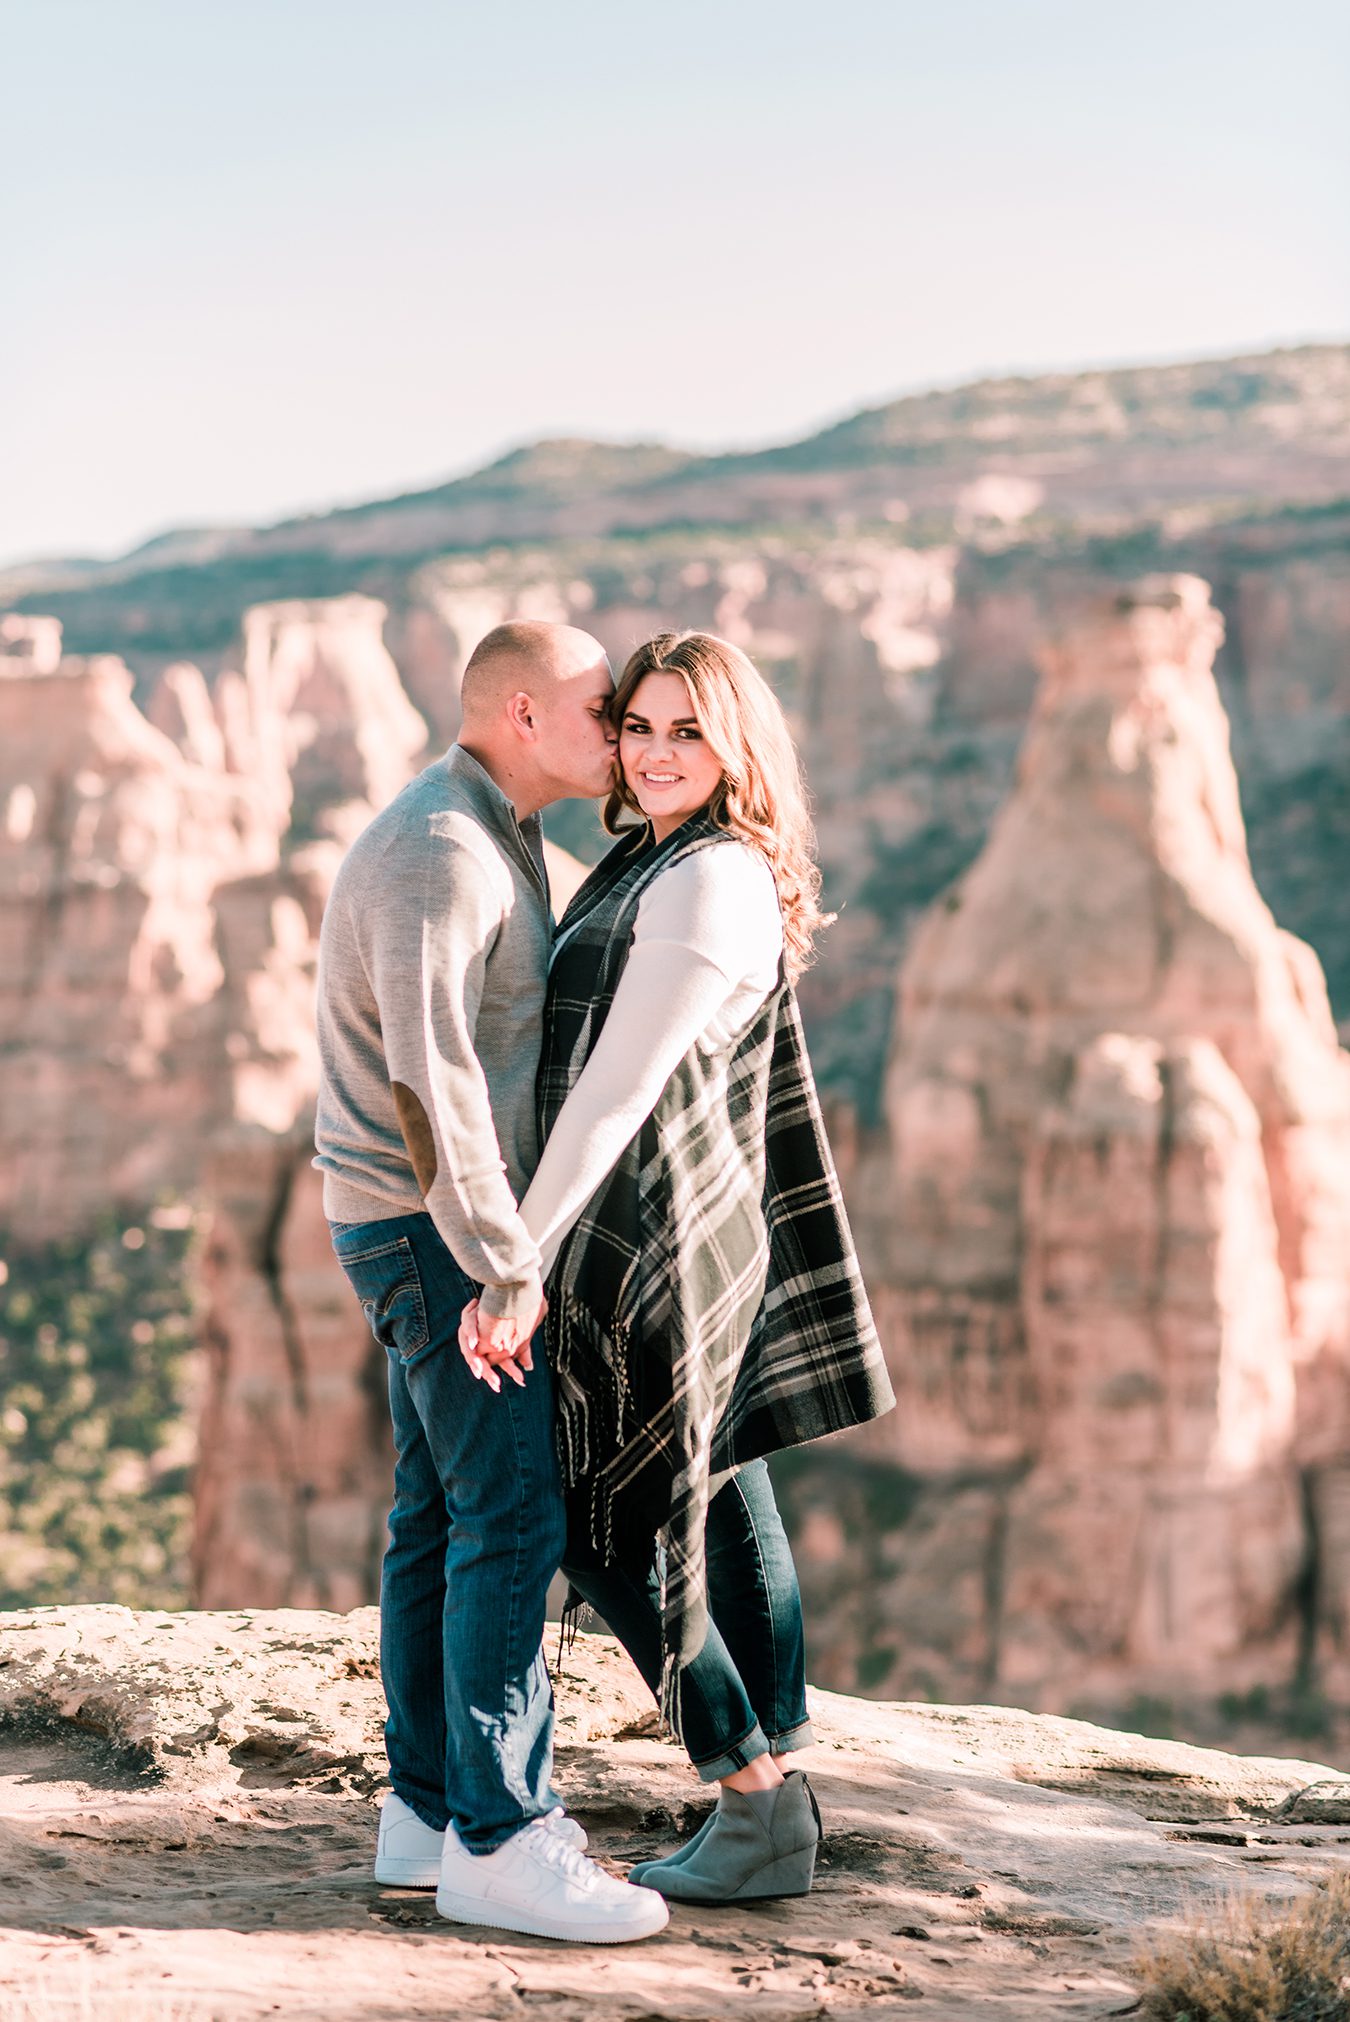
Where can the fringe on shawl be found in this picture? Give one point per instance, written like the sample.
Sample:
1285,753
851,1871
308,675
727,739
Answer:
592,1402
569,1623
672,1676
593,1414
673,1667
591,1382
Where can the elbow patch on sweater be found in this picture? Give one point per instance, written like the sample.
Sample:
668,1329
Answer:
415,1125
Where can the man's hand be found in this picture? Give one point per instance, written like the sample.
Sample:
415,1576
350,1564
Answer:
490,1345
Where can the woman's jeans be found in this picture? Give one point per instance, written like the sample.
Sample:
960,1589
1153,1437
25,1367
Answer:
475,1536
745,1693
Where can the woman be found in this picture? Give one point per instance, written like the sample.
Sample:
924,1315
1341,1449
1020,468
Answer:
705,1306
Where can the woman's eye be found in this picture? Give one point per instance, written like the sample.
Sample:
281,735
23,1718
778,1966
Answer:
690,736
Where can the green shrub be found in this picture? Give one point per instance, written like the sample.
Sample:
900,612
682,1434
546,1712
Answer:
1249,1965
95,1422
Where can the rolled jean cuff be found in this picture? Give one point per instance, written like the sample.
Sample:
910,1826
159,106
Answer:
741,1752
799,1736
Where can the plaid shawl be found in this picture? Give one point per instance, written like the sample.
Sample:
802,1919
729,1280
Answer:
707,1308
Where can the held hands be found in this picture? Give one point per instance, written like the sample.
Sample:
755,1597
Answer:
491,1346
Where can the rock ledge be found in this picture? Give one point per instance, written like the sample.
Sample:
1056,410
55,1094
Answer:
188,1813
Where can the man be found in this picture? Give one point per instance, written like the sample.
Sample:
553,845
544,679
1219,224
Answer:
433,965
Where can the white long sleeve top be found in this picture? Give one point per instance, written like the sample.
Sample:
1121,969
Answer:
705,954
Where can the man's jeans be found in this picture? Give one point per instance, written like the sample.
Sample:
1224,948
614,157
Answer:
475,1536
745,1693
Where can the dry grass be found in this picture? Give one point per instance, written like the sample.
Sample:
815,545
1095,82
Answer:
1251,1966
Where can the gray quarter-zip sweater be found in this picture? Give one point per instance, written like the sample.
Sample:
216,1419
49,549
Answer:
433,963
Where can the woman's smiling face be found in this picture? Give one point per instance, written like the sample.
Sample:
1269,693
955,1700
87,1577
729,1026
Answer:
666,761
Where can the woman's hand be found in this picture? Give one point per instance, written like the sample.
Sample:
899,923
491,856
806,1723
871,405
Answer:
490,1345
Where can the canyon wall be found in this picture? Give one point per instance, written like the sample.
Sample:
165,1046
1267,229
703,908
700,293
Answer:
162,878
1106,1226
113,845
1094,1142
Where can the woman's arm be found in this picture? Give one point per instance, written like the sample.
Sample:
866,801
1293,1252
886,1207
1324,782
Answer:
709,925
666,997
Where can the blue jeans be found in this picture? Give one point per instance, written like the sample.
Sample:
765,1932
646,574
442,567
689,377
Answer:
475,1536
745,1693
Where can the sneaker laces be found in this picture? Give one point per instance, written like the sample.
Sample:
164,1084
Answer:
566,1828
569,1860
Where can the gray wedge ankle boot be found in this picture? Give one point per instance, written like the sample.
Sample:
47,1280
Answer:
737,1857
680,1855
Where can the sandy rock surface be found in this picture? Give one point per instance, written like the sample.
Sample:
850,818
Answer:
187,1818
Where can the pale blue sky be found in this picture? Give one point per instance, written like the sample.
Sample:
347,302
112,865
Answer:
274,254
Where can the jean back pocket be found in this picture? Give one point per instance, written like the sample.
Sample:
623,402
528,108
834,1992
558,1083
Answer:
385,1278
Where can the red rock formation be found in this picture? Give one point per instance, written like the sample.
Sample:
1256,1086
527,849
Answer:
1107,1229
159,911
29,645
292,1481
161,888
112,848
1109,1236
329,710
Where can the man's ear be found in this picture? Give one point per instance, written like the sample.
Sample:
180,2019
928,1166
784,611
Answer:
520,715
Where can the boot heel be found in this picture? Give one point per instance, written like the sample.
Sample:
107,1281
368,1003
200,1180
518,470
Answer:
790,1875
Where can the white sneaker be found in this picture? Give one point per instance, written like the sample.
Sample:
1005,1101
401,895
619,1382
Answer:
408,1853
535,1882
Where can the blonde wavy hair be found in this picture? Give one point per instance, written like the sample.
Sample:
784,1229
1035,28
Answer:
761,798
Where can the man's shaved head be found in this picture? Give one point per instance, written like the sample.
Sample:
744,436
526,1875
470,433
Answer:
536,701
527,656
